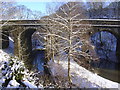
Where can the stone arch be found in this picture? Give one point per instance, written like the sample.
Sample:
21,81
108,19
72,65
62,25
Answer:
115,34
95,30
25,44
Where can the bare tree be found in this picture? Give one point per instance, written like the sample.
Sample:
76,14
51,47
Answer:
66,34
10,11
97,9
7,10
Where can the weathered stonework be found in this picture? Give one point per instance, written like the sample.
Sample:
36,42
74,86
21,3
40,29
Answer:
22,31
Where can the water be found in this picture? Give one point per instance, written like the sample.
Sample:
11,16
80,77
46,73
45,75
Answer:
39,60
105,47
113,75
105,64
107,69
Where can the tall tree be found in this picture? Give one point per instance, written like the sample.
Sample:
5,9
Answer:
96,9
66,34
7,10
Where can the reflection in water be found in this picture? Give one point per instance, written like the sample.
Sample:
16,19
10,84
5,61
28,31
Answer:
107,69
105,46
105,64
39,60
113,75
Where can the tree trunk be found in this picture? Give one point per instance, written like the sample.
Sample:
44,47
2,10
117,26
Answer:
69,77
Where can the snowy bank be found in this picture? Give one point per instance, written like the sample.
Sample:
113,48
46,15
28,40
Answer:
80,76
13,73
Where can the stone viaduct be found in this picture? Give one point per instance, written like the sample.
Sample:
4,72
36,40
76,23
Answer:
22,31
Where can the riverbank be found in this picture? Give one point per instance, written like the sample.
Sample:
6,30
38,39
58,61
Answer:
80,76
13,73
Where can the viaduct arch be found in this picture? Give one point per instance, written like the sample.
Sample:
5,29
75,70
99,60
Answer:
112,30
22,31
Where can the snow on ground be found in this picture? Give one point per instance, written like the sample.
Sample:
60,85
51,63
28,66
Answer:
80,76
10,65
13,84
7,70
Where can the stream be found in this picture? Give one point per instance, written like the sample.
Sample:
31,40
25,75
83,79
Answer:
38,61
108,64
107,69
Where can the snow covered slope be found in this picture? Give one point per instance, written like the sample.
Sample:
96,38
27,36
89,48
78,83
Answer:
13,70
80,76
